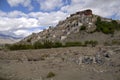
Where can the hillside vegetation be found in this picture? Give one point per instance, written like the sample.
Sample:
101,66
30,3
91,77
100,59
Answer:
107,27
49,44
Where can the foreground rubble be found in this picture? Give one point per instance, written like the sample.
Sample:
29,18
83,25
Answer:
74,63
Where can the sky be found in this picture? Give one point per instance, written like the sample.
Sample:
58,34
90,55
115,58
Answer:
20,18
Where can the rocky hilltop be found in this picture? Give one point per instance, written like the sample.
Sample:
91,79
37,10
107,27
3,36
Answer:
80,26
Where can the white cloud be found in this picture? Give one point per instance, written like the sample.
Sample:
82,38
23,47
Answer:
25,3
105,8
48,19
78,1
17,23
25,32
2,13
16,20
22,32
15,14
50,4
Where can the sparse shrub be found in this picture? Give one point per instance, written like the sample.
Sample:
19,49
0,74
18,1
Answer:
20,46
70,44
49,44
50,75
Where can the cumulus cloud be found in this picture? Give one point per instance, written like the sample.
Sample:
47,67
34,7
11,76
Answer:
20,23
105,8
22,32
50,4
17,23
16,14
25,3
48,19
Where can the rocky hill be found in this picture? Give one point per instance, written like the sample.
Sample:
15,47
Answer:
81,26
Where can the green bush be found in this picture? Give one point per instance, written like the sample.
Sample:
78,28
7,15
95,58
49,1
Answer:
115,23
48,44
50,75
20,47
36,45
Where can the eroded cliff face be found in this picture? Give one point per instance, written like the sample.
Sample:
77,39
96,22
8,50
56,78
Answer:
71,25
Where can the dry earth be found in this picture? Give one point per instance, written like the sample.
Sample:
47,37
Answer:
73,63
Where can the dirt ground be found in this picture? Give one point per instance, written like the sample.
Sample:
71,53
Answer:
73,63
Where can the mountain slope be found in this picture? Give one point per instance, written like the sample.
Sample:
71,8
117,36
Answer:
81,26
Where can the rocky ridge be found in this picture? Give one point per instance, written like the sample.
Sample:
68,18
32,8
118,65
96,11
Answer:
67,29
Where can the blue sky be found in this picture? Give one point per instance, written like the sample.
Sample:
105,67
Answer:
6,7
23,17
